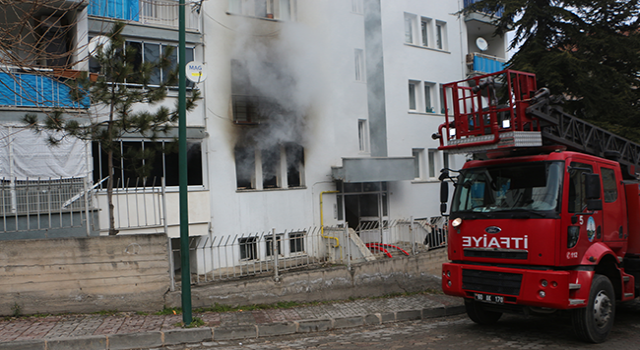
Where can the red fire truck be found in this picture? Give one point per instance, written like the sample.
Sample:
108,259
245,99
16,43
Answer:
546,216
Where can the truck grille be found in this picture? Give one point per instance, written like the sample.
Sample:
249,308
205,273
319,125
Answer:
491,282
496,254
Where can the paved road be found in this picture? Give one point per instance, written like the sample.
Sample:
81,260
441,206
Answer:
454,332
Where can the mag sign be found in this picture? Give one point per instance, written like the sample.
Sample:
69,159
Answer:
196,71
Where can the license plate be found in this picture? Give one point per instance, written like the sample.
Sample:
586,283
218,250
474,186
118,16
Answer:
490,298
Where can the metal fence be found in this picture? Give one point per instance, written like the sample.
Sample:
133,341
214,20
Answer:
214,258
225,257
44,204
136,206
429,233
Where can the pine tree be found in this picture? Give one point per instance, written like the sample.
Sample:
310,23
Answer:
585,50
113,97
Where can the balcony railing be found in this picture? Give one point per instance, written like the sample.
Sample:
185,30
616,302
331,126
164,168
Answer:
468,3
36,90
485,64
162,13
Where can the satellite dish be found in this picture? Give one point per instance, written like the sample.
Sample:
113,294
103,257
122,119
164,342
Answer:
482,44
99,44
196,71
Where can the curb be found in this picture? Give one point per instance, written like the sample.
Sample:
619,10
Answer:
208,334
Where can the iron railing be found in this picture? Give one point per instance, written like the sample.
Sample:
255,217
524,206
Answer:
43,204
215,258
152,12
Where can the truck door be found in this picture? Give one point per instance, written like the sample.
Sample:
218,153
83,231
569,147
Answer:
613,206
583,228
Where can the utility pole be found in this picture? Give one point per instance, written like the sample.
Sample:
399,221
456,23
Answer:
182,162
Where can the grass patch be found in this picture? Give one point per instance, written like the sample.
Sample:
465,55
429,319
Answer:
169,311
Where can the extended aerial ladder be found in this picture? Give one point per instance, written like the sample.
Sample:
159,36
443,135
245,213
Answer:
504,113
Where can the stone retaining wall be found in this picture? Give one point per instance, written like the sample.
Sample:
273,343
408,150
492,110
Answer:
126,273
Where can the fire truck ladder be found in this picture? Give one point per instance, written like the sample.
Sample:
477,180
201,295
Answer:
504,113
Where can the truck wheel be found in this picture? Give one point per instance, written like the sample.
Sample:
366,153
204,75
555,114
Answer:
593,323
478,314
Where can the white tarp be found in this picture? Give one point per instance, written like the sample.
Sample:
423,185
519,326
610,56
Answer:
25,154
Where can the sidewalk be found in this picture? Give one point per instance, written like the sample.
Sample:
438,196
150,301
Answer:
133,331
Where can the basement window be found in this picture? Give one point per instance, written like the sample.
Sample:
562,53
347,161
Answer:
248,248
269,243
296,242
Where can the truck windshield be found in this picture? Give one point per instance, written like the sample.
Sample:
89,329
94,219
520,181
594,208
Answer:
513,187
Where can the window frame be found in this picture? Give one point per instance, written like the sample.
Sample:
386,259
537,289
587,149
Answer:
168,161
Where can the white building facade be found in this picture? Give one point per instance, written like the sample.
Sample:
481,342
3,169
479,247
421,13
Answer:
308,105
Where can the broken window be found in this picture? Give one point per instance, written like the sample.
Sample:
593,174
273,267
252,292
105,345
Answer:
248,248
245,167
271,167
295,162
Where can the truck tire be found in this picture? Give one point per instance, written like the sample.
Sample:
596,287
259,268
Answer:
593,323
478,314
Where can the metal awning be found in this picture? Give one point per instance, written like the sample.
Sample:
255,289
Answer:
374,169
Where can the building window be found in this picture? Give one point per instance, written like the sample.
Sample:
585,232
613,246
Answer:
270,159
359,64
272,163
278,9
417,162
245,167
441,36
278,245
428,105
424,31
248,248
151,52
296,242
432,163
445,160
413,95
363,136
294,154
145,163
409,30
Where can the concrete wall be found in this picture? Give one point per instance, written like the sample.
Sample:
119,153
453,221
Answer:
127,273
375,278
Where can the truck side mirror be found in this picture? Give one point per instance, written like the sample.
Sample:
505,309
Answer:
444,196
592,192
444,192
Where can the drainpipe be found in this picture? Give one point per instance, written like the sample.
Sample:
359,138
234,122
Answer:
322,219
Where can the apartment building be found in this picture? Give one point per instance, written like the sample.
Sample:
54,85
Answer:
313,113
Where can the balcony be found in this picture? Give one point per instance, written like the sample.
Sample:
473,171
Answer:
484,64
468,3
36,90
162,13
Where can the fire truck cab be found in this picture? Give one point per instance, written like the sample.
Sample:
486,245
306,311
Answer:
537,223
